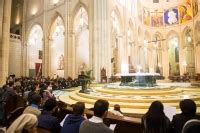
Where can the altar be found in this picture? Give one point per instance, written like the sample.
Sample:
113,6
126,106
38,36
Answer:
138,79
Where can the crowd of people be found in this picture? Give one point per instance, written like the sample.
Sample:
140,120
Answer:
41,105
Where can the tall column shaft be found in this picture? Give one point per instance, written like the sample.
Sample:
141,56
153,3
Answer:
101,37
4,42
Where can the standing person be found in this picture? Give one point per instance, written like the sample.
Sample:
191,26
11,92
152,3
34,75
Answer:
73,121
188,108
155,121
95,124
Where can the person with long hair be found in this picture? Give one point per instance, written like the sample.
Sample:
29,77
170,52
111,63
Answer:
155,121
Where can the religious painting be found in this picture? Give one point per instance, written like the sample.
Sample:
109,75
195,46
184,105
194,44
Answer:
146,17
61,62
171,16
157,18
40,55
185,11
195,7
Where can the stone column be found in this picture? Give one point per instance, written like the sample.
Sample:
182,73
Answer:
24,36
181,56
165,62
69,69
4,39
46,63
100,44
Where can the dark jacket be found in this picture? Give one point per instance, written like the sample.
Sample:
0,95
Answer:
49,122
72,124
180,119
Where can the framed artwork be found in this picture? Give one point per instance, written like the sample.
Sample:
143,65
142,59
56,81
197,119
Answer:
157,18
146,17
185,11
171,16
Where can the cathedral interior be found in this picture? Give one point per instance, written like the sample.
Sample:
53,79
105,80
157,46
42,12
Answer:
62,38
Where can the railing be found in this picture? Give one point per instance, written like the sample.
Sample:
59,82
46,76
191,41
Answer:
15,36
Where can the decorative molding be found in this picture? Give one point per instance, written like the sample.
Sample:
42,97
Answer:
15,36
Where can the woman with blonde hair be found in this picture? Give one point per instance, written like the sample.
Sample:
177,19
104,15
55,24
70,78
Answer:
26,123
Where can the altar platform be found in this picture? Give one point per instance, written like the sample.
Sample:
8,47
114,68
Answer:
138,79
134,101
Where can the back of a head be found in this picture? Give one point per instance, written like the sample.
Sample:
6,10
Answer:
50,104
156,108
117,107
188,107
36,99
155,119
100,107
25,121
78,108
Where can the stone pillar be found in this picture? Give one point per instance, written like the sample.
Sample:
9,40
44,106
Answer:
181,57
46,63
69,69
4,39
165,62
99,28
24,37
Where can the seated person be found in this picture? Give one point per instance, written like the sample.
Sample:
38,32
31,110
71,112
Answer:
188,108
155,121
73,121
26,123
34,107
117,110
46,120
95,124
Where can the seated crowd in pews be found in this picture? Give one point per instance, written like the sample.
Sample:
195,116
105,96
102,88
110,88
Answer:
43,113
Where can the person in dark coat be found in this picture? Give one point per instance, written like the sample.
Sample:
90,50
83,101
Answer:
188,108
73,121
46,120
155,121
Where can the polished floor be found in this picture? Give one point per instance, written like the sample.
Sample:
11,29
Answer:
134,100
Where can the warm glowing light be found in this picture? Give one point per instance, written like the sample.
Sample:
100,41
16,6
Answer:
184,63
189,39
159,65
34,11
55,2
124,68
145,41
129,33
186,97
17,21
139,68
81,22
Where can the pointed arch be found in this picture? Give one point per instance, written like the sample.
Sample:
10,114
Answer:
30,28
53,20
118,15
77,9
